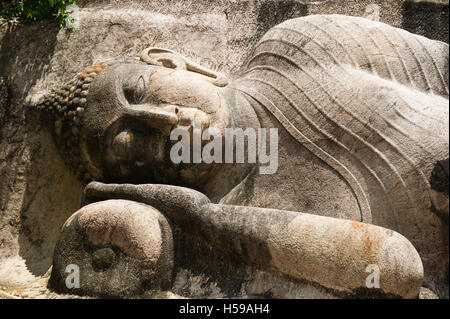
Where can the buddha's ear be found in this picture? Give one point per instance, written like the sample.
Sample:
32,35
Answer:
163,57
173,60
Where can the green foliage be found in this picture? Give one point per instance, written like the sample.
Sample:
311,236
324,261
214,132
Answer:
32,11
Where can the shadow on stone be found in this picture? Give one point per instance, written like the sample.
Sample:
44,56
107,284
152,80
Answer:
427,19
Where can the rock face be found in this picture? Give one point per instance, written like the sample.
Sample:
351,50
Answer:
38,191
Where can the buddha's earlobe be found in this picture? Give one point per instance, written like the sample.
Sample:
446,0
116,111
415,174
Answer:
173,60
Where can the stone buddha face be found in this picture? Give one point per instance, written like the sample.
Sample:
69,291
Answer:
131,110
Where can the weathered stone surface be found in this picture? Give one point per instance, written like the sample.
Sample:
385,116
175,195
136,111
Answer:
38,192
425,17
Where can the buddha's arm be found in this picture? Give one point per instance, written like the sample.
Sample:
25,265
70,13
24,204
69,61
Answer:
332,252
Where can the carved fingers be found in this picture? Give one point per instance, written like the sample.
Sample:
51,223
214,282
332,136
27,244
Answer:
119,248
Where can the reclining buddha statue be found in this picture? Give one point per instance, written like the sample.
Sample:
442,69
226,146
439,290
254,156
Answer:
360,188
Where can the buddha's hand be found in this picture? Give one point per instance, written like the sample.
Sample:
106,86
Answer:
180,204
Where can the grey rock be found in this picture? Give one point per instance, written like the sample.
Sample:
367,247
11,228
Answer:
38,192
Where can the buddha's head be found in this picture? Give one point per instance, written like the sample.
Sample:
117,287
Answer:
114,121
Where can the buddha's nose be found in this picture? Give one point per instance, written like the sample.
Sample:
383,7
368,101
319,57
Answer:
163,118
